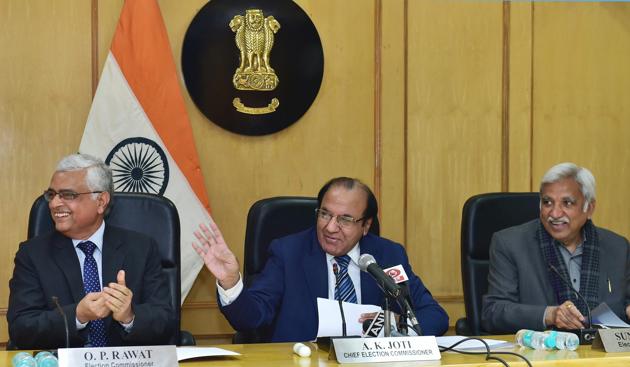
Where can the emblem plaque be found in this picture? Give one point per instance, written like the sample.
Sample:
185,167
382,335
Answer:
252,67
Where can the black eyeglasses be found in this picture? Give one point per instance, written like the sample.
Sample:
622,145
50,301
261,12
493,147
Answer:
66,195
343,221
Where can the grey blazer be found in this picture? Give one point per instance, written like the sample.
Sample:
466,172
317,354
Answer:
519,288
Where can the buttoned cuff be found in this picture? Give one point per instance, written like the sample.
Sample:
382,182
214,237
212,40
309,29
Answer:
227,296
80,326
128,326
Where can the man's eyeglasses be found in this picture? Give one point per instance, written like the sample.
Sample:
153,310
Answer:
65,195
343,221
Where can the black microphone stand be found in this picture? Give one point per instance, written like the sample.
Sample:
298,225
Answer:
408,312
65,319
387,327
406,306
588,334
344,333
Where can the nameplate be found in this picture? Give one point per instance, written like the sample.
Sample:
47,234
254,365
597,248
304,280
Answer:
612,340
362,350
143,356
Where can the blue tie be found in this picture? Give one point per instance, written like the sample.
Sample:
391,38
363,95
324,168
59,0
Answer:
344,290
92,283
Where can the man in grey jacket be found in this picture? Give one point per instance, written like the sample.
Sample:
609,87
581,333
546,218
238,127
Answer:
531,264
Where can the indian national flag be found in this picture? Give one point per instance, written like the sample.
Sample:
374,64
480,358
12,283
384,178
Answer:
139,125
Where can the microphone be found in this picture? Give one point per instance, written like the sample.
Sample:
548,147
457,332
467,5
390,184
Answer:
399,275
368,264
65,319
587,335
343,316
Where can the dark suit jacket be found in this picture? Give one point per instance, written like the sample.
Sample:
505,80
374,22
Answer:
519,288
48,266
285,294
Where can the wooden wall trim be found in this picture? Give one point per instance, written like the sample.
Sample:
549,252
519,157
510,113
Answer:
199,305
449,298
378,98
531,104
505,103
94,46
405,114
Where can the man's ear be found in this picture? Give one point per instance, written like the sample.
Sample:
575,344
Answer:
102,201
366,226
590,209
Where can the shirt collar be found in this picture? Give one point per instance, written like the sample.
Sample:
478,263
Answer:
354,254
96,238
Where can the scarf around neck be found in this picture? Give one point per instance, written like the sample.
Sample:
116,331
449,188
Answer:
589,273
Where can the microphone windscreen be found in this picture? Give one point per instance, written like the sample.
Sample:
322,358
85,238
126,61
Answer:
366,260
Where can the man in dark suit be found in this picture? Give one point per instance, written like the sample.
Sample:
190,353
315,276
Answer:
304,266
107,280
530,263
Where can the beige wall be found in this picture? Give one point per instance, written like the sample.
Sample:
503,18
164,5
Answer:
428,101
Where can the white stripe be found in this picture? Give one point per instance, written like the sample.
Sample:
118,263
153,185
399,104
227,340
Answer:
116,115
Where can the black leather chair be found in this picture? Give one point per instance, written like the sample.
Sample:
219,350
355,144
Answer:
267,220
153,215
482,216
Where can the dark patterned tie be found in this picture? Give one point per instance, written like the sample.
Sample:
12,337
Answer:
344,289
92,283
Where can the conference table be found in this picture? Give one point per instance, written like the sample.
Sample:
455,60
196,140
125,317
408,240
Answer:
281,355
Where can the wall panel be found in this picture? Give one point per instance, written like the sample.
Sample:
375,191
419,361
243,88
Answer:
427,99
580,97
454,128
519,96
44,97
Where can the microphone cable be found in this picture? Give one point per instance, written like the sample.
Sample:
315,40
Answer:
575,291
490,355
55,300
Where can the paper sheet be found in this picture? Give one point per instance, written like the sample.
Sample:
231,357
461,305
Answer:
184,353
330,317
603,315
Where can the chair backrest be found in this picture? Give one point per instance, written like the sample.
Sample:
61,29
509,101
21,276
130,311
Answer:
482,216
267,220
152,215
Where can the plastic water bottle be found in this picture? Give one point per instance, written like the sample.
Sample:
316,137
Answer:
18,357
41,355
567,341
48,361
21,360
536,339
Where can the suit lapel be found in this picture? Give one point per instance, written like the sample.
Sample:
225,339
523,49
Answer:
370,292
66,258
315,270
113,255
113,258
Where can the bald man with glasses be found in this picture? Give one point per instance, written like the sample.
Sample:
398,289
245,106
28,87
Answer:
318,262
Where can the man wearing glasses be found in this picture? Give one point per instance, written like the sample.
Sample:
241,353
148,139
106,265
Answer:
108,281
318,262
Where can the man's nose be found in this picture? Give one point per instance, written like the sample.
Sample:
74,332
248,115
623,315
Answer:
556,211
332,225
55,201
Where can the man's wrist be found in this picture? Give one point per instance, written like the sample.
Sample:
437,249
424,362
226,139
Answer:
549,318
229,282
128,320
